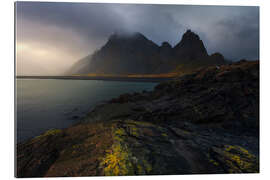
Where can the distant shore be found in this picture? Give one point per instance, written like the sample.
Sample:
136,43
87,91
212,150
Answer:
139,79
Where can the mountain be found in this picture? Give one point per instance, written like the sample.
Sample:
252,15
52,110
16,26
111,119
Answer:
190,47
135,54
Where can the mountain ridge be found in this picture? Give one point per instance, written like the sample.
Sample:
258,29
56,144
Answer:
134,53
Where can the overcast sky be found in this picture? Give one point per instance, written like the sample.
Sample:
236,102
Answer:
53,36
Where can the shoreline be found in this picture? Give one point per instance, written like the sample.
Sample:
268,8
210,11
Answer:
134,79
193,125
73,113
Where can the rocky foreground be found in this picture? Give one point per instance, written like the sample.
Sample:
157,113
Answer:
205,122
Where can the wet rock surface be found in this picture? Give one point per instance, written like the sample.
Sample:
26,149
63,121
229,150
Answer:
206,122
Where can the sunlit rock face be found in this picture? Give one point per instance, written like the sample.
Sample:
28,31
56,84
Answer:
133,53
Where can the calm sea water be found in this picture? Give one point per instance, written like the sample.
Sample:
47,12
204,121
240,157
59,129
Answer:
44,104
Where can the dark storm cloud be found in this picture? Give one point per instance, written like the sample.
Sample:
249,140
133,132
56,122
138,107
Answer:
82,18
241,36
66,32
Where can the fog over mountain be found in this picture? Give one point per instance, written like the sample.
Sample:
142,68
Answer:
133,53
51,37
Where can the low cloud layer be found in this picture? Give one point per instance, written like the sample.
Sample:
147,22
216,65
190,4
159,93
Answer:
53,36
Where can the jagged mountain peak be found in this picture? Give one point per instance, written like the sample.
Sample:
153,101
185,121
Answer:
190,47
190,36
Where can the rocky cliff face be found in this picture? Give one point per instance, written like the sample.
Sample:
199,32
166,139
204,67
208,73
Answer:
205,122
135,54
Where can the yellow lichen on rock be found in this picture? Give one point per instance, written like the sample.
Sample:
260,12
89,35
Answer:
120,132
214,162
134,131
243,159
236,159
48,133
119,160
164,134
